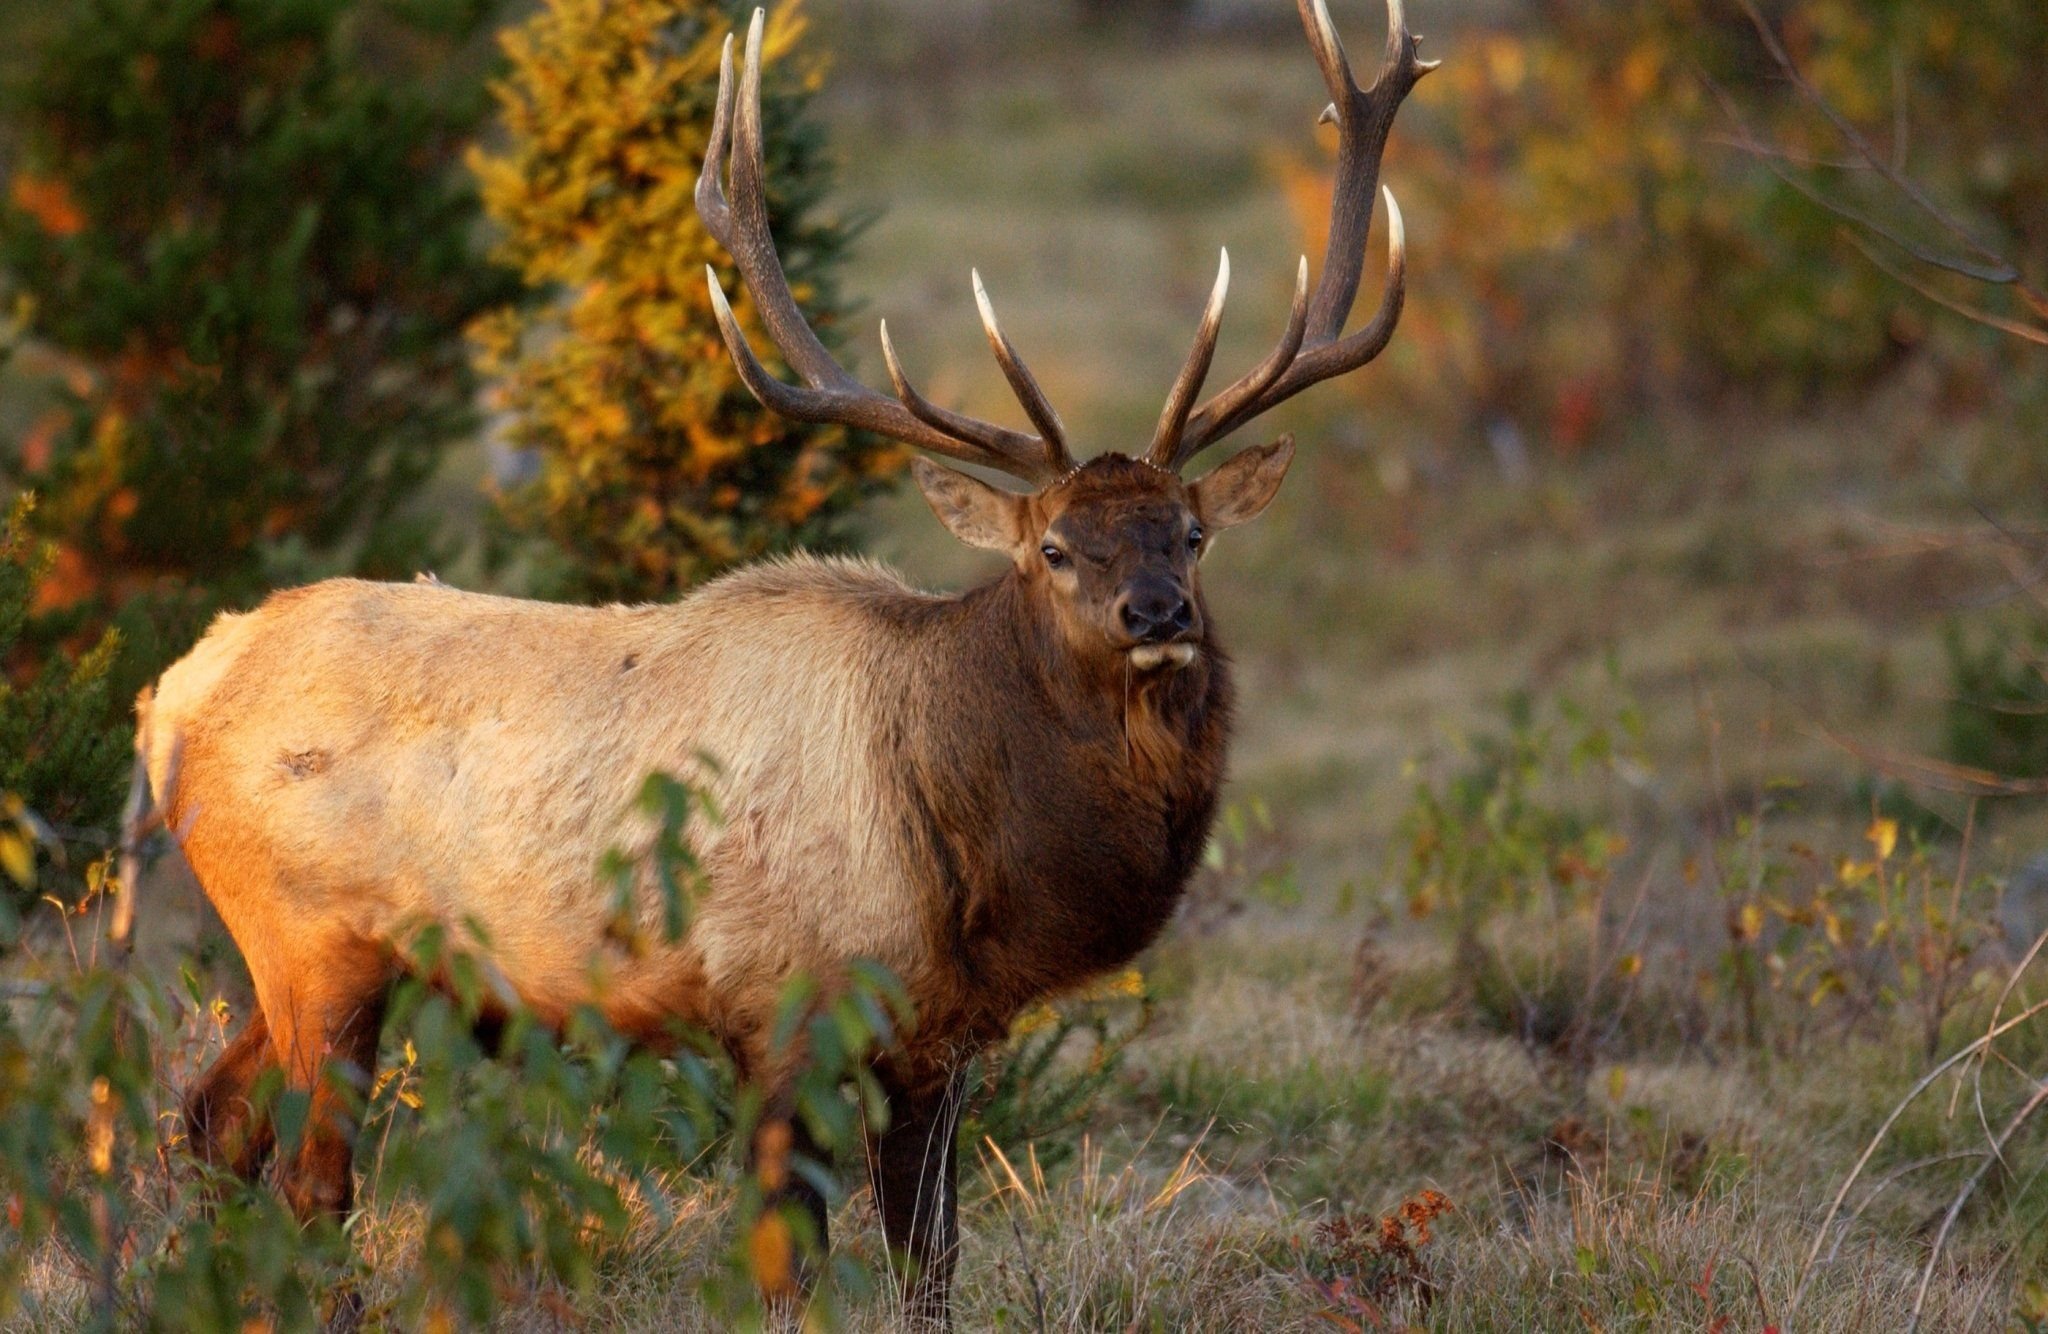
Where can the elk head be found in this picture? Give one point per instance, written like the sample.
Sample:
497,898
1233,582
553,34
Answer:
1113,544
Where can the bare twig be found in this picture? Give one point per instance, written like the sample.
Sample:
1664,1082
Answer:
1967,311
1750,143
1927,771
1889,1179
1983,264
1995,267
1926,1082
1948,1221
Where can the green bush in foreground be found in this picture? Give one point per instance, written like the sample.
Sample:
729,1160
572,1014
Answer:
532,1167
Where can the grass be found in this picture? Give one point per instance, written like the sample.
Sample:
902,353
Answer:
1258,1110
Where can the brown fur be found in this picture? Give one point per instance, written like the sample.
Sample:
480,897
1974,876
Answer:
980,791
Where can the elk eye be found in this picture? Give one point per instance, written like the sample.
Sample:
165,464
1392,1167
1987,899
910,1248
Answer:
1194,539
1054,557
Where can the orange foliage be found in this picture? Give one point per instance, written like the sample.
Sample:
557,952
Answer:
47,200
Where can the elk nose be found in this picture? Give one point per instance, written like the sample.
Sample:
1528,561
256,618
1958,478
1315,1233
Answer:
1155,615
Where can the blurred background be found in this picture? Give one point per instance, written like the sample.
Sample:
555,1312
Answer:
1670,584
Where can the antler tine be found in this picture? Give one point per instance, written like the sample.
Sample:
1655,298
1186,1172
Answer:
989,436
1221,413
858,406
1329,49
1299,368
1036,405
1315,350
1180,402
713,210
753,245
739,222
1364,119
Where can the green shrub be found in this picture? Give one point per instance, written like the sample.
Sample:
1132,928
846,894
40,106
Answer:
244,236
1996,717
1497,834
64,753
530,1166
1060,1059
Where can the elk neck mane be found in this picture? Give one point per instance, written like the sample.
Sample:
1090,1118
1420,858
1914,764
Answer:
1063,800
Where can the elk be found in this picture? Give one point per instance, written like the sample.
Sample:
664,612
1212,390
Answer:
995,794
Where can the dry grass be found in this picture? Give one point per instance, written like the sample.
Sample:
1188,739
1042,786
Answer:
1660,1191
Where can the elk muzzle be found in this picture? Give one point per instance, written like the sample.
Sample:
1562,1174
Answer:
1157,622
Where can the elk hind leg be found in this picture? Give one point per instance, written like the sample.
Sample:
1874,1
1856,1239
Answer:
325,1016
223,1128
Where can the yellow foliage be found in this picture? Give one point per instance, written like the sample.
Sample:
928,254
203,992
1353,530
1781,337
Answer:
659,468
1585,237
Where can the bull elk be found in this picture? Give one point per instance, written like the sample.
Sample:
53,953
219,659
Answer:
994,794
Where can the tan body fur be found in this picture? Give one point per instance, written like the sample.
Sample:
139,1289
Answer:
365,758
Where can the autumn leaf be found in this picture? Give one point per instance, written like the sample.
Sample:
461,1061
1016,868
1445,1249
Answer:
771,1254
47,200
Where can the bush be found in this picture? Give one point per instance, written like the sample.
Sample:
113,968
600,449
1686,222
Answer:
657,468
1495,836
1060,1058
1996,717
240,229
1589,240
63,764
529,1170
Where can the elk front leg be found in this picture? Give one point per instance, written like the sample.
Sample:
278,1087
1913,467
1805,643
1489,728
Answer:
914,1168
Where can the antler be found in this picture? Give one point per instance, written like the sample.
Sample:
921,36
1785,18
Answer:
828,392
1312,350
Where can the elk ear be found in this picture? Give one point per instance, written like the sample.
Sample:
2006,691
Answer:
1238,489
972,511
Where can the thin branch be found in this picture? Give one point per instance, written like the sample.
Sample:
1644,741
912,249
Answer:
1968,312
1926,1082
1792,155
1998,271
1903,183
1891,1178
1964,779
1969,1188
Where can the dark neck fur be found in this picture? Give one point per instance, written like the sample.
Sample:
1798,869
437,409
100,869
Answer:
1064,801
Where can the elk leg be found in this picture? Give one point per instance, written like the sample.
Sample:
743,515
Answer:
324,1021
222,1128
914,1168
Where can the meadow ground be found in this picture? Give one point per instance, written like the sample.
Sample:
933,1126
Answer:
1761,585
